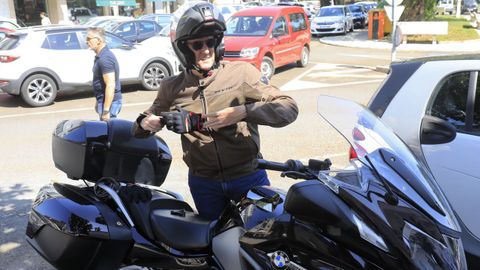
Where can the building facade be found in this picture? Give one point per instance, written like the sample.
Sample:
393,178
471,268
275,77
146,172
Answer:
61,11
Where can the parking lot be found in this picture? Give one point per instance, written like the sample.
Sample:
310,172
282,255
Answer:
26,135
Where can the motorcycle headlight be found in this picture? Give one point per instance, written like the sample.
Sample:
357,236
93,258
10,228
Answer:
428,253
249,52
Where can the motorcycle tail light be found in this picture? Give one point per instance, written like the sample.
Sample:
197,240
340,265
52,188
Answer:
8,58
352,154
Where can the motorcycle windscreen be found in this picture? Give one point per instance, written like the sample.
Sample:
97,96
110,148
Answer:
366,134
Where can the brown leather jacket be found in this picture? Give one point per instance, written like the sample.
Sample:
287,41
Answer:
229,152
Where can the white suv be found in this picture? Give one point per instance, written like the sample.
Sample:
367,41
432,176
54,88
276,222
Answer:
36,63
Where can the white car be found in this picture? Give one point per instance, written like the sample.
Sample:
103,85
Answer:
332,20
37,63
433,104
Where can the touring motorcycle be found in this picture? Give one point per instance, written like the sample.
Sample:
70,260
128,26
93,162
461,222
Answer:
382,211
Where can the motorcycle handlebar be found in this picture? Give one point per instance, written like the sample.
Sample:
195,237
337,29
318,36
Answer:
294,165
289,165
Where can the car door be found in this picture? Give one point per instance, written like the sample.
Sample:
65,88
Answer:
281,48
68,57
455,164
129,60
299,28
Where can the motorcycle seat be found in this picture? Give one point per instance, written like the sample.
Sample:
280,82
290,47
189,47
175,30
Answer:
182,230
140,212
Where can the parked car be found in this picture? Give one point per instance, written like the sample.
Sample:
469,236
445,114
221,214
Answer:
469,6
367,5
134,30
12,24
447,6
433,104
105,21
332,20
268,37
360,17
229,10
80,15
163,20
37,63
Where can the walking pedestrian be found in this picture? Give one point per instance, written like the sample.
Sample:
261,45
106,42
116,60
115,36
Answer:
106,83
45,19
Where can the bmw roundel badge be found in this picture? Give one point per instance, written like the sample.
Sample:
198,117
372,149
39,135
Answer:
279,260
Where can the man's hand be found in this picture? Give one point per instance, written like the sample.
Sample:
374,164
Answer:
183,121
151,123
105,117
225,117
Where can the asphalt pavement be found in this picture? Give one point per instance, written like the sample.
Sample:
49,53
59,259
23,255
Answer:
359,39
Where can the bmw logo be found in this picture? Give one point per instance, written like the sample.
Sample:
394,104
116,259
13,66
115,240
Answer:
279,260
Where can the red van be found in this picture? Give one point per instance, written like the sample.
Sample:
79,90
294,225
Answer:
268,37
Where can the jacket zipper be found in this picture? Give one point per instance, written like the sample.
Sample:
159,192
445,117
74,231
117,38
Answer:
204,111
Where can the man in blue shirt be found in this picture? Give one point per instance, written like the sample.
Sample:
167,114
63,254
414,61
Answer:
106,83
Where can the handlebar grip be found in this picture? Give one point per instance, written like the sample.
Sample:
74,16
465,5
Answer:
271,165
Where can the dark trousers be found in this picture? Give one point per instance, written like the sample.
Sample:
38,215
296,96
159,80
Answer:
211,196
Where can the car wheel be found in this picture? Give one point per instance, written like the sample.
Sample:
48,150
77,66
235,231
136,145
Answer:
39,90
153,75
304,57
266,67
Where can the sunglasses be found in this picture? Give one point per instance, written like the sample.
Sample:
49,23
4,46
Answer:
198,45
90,38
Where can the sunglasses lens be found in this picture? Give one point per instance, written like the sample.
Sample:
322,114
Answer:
210,43
198,45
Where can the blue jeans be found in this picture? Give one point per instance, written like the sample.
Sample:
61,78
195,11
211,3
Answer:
115,108
211,196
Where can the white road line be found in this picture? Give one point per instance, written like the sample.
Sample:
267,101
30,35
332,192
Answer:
367,56
67,110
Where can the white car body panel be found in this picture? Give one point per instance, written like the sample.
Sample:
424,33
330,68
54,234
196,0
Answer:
455,165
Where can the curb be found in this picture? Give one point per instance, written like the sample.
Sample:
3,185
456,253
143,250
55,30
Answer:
383,69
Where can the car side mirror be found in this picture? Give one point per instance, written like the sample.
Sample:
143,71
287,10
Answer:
436,131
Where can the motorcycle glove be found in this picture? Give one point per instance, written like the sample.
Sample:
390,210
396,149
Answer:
135,193
183,121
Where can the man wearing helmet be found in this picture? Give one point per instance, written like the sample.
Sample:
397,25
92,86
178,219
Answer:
216,107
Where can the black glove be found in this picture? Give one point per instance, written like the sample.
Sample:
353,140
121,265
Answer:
135,193
183,121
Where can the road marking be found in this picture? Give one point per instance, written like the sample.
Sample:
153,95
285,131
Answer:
330,70
367,56
67,110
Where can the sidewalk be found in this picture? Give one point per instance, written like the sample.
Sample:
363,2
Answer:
359,39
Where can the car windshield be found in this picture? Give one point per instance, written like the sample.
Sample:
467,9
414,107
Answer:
368,135
324,12
248,25
355,8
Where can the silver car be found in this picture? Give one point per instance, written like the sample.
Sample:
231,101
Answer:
433,104
332,20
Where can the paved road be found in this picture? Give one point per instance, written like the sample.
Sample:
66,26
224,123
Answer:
25,153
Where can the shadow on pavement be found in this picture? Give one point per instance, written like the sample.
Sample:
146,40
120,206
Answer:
15,252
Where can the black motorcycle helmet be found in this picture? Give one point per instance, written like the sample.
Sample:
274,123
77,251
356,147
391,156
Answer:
194,20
